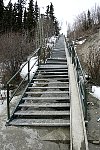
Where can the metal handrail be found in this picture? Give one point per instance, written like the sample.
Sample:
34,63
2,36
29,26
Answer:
38,61
80,76
23,66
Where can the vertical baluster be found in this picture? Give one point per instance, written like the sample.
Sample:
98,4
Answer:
85,101
38,57
8,108
44,55
28,71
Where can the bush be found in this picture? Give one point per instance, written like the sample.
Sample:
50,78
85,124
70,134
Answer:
14,49
94,65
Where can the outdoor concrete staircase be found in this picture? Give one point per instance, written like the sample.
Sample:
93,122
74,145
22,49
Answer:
46,101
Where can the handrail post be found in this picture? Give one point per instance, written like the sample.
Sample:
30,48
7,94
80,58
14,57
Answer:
44,56
28,71
73,56
49,52
85,101
38,56
8,108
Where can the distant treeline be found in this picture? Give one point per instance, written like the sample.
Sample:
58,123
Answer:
17,18
85,23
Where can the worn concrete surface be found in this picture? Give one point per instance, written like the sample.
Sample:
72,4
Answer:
78,130
29,138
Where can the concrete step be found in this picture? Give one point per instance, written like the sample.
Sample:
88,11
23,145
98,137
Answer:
40,122
56,63
42,113
45,105
51,82
57,59
51,72
47,98
53,69
53,76
48,79
48,92
48,87
52,66
58,52
55,55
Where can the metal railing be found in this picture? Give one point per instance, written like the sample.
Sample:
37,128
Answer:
41,55
80,76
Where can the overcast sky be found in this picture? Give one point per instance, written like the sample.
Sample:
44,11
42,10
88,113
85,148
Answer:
66,10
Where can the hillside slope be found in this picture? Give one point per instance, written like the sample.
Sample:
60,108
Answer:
91,43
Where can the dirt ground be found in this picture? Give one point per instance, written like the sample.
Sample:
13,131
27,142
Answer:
93,125
93,104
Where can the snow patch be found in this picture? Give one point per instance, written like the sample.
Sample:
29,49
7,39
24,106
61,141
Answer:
3,93
81,42
25,68
52,39
2,106
50,45
96,92
3,103
98,119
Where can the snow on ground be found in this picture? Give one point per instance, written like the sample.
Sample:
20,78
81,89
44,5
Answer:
3,103
2,106
50,44
52,39
3,93
96,92
81,42
25,68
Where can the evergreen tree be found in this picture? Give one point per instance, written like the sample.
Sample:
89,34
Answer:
36,12
25,19
47,11
51,12
56,26
9,15
14,17
30,16
20,6
1,13
52,25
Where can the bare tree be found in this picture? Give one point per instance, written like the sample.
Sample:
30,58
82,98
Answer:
13,51
86,23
